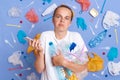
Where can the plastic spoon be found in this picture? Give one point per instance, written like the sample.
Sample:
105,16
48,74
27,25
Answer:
102,73
33,25
17,76
7,42
96,25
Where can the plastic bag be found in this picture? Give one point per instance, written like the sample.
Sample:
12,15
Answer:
95,63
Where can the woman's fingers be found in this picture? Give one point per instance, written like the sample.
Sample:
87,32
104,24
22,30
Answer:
37,45
33,43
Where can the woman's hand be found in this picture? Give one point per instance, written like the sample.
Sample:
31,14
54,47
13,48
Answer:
36,45
58,60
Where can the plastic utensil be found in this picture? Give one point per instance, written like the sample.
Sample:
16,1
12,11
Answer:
7,42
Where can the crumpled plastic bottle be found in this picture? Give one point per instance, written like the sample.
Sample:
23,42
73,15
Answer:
98,39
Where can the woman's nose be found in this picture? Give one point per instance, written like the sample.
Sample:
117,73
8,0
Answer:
62,19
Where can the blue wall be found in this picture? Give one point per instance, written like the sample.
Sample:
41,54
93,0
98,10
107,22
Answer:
8,71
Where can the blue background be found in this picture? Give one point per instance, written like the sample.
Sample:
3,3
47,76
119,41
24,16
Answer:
39,7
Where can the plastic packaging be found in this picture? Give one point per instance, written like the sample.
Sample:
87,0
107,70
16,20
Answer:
61,71
32,16
49,9
81,23
85,4
73,45
21,35
98,39
112,54
14,12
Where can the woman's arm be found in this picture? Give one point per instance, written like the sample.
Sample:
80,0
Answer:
39,61
59,60
74,67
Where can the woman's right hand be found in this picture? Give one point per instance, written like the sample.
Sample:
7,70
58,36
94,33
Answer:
36,45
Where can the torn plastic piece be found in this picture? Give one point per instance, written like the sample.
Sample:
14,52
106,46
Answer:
81,23
113,53
84,4
32,16
93,12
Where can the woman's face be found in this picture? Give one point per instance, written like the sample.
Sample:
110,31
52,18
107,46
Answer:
62,19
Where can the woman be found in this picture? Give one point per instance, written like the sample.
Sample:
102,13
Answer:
60,37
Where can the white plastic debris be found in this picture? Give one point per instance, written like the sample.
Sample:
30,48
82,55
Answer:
32,76
49,9
114,68
110,20
14,12
93,12
15,58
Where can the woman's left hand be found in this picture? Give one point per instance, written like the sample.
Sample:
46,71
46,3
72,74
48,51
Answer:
58,59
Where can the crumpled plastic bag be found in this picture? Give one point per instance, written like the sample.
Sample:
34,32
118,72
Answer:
95,63
114,68
111,19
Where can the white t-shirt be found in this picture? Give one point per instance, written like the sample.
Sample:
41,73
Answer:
49,36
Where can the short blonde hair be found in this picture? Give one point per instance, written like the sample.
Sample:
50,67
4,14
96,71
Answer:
65,6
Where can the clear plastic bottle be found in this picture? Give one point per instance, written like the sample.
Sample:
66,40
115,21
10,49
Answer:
61,71
52,49
98,39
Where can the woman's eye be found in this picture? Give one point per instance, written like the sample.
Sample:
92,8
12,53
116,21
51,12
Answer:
67,18
58,16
